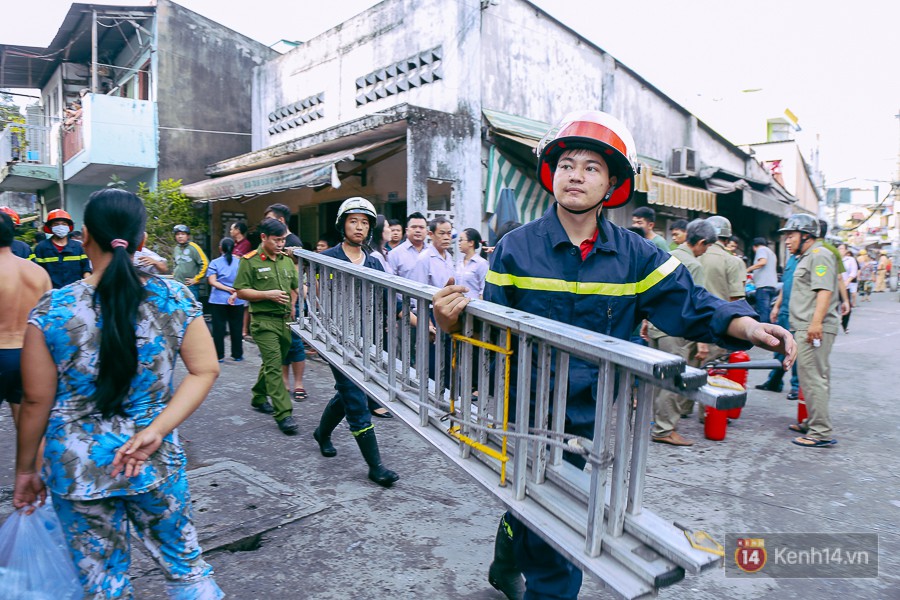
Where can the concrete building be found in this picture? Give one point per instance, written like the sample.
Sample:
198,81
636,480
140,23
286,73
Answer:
164,92
436,105
865,213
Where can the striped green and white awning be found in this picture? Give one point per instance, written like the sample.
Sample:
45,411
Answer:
520,129
531,199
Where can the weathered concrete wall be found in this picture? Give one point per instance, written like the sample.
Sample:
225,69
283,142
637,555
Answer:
382,36
446,147
203,74
443,140
535,67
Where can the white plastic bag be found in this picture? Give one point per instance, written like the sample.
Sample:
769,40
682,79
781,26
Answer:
35,562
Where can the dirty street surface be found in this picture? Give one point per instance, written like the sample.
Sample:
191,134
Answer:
278,520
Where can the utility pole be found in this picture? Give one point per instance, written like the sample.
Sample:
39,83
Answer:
94,53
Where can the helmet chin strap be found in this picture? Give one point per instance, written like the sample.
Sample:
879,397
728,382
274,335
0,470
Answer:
587,210
804,237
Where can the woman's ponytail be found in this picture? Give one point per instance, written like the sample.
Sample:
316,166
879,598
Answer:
115,221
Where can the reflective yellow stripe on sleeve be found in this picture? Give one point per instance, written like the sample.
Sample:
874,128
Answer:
585,287
49,259
74,258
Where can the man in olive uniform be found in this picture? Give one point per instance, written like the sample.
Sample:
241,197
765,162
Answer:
268,280
669,406
815,319
724,274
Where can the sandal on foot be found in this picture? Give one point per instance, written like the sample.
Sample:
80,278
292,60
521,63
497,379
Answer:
798,427
808,442
673,439
299,394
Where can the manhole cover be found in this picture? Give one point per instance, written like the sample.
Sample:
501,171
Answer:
232,501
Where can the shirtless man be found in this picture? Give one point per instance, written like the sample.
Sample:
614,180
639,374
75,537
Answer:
21,286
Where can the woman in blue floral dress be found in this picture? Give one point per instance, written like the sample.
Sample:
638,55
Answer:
97,368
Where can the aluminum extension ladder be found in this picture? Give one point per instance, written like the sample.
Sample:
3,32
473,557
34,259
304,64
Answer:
358,320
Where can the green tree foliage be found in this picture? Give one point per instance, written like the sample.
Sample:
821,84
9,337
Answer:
11,118
167,207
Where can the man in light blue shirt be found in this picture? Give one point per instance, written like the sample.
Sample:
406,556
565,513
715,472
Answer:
764,277
403,258
434,266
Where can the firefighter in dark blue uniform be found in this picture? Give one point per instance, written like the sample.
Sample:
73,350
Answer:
574,266
19,248
62,257
355,222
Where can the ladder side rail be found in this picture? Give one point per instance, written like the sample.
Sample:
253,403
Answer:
621,455
523,414
640,448
542,411
596,501
560,395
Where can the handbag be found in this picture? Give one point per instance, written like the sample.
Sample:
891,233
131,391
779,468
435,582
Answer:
35,562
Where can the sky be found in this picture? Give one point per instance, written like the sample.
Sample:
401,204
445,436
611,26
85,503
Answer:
836,65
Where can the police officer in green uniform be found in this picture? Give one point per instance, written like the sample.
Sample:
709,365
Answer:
268,280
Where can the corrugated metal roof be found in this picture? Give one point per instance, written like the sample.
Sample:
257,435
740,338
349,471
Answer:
31,66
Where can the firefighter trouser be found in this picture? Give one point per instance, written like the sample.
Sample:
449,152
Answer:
814,370
353,401
548,574
273,338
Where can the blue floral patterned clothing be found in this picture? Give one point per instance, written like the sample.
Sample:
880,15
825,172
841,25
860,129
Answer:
80,443
97,532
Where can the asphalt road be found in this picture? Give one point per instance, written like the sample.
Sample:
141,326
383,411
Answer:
279,521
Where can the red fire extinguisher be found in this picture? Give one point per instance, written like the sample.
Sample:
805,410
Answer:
716,424
737,376
801,406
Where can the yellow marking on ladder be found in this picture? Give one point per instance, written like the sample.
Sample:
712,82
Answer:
454,431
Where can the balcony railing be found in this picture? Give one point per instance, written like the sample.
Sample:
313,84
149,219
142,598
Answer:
26,144
73,140
112,134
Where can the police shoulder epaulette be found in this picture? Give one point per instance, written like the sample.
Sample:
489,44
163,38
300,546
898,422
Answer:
251,254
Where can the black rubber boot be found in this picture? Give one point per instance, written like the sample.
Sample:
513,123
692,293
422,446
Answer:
368,446
504,574
331,416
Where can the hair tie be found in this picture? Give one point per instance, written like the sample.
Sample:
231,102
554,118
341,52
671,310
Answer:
119,243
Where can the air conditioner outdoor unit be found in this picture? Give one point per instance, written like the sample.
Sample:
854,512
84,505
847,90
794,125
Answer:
684,162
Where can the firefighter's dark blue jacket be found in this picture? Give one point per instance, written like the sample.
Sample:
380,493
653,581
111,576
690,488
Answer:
64,267
623,280
22,250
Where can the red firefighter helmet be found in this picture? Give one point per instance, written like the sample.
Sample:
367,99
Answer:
58,215
12,215
597,131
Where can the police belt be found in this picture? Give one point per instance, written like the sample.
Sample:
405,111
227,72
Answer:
271,315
